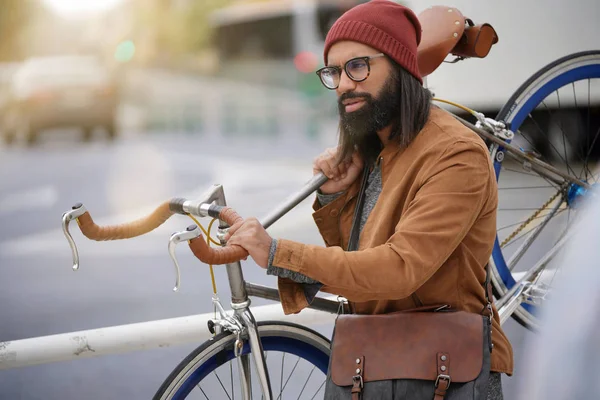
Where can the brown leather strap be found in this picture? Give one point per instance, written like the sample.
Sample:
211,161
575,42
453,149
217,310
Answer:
442,383
355,393
440,390
355,230
357,379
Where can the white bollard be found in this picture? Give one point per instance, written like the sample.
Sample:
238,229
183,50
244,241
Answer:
132,337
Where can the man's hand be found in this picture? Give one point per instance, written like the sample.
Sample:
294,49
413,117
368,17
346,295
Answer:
341,175
251,235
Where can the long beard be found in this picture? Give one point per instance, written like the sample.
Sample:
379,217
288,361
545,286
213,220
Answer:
358,129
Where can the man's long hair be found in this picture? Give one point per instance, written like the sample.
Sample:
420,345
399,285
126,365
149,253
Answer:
403,102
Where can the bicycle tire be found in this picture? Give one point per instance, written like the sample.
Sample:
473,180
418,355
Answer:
275,336
556,75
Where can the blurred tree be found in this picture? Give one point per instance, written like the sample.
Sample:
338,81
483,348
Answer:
15,23
180,26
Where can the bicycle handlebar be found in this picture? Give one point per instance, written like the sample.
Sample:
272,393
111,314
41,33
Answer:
124,231
205,207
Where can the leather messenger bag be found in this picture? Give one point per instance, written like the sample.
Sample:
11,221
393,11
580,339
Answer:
437,348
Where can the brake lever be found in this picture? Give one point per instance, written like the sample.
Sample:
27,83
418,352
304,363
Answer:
190,233
77,210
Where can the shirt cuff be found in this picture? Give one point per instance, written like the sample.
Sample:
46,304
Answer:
325,199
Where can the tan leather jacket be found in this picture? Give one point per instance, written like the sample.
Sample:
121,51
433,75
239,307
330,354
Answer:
427,240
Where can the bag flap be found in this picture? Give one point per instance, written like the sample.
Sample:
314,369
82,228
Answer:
407,345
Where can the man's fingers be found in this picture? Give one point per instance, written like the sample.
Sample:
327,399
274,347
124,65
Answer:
232,229
357,159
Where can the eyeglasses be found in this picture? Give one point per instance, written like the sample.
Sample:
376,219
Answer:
357,69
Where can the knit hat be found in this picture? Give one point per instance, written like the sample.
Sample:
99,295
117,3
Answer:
384,25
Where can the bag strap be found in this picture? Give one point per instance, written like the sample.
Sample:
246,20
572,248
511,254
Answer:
354,232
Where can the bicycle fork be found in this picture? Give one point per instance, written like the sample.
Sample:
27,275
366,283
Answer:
243,324
259,360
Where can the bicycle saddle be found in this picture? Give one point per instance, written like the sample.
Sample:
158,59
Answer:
446,31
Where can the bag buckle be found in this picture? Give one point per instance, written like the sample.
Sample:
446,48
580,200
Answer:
491,311
358,379
443,377
341,305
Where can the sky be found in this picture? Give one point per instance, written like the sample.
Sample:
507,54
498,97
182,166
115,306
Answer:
73,8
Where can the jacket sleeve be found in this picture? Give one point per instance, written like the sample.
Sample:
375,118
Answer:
451,195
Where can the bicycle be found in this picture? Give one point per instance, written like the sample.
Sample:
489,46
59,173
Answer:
520,294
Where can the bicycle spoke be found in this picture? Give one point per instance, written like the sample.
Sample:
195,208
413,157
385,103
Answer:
579,155
556,270
526,233
559,123
549,141
521,172
305,383
524,209
223,386
199,387
515,224
289,377
584,172
318,390
554,185
593,143
281,381
535,232
527,139
527,187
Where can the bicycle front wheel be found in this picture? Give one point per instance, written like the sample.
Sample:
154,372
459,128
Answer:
297,361
555,115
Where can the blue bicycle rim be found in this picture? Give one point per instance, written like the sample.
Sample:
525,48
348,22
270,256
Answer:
270,343
574,75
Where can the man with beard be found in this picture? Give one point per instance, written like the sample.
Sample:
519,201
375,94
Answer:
428,220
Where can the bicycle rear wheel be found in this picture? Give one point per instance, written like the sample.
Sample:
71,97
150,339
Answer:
297,362
555,115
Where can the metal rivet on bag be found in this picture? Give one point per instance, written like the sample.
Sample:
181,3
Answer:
443,358
358,370
455,34
358,360
443,367
456,22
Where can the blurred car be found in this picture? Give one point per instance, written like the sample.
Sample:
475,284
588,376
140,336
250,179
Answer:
7,70
56,92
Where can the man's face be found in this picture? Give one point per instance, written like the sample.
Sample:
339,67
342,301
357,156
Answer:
368,106
353,94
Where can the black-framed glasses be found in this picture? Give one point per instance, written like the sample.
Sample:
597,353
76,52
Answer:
357,69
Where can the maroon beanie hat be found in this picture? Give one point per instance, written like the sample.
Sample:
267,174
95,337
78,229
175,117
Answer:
384,25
